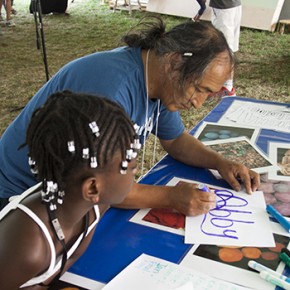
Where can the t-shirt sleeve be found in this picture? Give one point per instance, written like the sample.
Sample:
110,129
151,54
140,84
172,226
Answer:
170,125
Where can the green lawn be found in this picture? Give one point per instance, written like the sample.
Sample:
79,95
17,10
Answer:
263,72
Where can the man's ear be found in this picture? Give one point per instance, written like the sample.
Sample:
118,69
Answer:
90,190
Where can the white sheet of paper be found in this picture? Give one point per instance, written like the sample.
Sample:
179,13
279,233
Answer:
267,116
186,286
81,281
147,272
239,220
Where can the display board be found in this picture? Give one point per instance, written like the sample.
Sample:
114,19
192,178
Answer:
258,14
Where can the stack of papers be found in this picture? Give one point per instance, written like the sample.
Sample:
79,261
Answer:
148,272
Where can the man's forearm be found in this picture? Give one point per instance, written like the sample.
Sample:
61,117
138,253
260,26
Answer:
192,152
147,196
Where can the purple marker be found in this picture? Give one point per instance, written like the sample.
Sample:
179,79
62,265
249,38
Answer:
203,187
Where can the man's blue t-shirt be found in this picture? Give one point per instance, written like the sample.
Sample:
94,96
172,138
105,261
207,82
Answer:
117,75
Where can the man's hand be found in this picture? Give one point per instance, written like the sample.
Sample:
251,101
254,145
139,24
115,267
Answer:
187,199
232,172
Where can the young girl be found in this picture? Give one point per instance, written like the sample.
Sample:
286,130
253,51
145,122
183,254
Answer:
83,149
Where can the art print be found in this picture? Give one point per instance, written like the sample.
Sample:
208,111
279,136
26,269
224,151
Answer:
276,193
213,131
231,263
161,219
241,150
280,154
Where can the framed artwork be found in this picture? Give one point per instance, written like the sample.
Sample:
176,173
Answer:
213,131
280,154
242,150
231,263
276,193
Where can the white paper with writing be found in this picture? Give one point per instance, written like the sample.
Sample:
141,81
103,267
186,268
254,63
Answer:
267,116
239,219
147,272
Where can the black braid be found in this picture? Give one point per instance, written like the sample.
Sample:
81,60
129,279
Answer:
66,117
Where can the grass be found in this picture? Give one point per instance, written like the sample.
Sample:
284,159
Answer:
263,72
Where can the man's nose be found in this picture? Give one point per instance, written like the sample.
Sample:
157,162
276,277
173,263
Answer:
199,100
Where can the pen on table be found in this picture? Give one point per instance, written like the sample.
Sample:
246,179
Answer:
274,280
259,267
286,251
285,258
203,187
282,221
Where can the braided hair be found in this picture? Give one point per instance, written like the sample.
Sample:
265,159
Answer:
199,43
70,130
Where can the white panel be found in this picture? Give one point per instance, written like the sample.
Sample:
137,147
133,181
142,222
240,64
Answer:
259,14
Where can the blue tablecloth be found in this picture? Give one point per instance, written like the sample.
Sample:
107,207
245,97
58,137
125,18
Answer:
117,242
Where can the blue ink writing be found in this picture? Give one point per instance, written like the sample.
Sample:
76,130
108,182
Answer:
229,211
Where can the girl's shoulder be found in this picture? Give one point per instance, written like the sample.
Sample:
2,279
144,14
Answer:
23,245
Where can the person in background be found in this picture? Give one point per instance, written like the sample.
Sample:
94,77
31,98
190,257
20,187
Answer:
226,16
50,6
82,150
200,11
154,76
13,11
8,6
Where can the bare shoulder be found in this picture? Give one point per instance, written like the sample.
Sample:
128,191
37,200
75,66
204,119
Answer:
24,249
